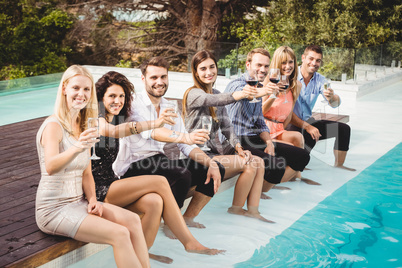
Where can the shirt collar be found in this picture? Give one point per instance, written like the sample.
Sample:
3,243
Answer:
300,77
147,101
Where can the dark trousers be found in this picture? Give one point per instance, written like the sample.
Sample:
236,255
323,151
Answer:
180,173
285,155
328,129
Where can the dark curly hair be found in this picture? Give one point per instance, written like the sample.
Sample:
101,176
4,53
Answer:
115,78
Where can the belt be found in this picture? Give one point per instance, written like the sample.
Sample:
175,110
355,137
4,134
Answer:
273,120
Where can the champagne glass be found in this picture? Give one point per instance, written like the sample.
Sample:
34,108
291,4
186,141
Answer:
325,86
274,76
206,122
172,105
284,85
251,79
94,123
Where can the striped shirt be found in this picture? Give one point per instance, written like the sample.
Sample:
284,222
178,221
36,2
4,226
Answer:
246,117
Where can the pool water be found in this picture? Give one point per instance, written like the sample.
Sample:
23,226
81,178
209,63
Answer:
359,225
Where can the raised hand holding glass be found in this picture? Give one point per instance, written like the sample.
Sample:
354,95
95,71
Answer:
206,122
274,76
94,123
251,79
172,105
284,85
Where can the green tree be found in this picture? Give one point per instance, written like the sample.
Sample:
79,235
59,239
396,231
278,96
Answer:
339,26
31,37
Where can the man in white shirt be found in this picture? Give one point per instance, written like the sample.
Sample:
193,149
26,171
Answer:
142,154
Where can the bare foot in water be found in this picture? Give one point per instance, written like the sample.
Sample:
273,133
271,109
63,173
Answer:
191,223
168,232
257,216
236,211
206,251
281,187
264,196
308,181
347,168
160,258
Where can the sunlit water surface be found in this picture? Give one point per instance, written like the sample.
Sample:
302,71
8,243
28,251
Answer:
359,225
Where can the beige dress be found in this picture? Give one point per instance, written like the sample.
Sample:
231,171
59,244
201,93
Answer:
60,203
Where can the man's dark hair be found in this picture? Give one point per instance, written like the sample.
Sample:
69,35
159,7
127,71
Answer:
257,51
315,48
158,61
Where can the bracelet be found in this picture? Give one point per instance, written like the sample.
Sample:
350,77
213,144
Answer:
133,128
238,147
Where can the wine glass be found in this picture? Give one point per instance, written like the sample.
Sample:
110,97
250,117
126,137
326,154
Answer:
172,105
206,122
251,79
284,85
274,76
325,86
94,123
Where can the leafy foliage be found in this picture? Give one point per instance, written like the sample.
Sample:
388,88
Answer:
343,28
31,37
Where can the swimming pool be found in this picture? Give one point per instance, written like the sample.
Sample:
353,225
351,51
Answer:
359,225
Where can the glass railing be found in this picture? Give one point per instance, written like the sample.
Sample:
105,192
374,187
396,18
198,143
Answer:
336,61
29,83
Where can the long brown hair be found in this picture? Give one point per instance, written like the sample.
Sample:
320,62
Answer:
114,78
199,57
281,54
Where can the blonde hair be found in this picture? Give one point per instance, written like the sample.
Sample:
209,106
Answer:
60,108
281,54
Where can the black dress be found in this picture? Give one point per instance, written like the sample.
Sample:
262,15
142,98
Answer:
107,149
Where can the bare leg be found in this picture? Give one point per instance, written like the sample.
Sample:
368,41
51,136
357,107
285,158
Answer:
124,191
296,138
266,186
289,173
249,184
278,187
340,157
121,229
151,207
253,200
235,165
305,180
197,203
254,213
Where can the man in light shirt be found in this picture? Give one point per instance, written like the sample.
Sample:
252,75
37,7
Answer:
142,154
302,120
282,161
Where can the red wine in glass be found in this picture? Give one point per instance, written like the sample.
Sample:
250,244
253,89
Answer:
252,80
252,83
274,80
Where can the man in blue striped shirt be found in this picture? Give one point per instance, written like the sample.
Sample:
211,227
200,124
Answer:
282,161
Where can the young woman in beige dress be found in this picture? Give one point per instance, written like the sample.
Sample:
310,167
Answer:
66,201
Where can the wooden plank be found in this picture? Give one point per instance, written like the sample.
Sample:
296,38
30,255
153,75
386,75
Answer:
332,117
35,255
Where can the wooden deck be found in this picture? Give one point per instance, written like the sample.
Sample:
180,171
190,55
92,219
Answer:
22,244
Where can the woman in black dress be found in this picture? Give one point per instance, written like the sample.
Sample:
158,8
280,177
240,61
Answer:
150,195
